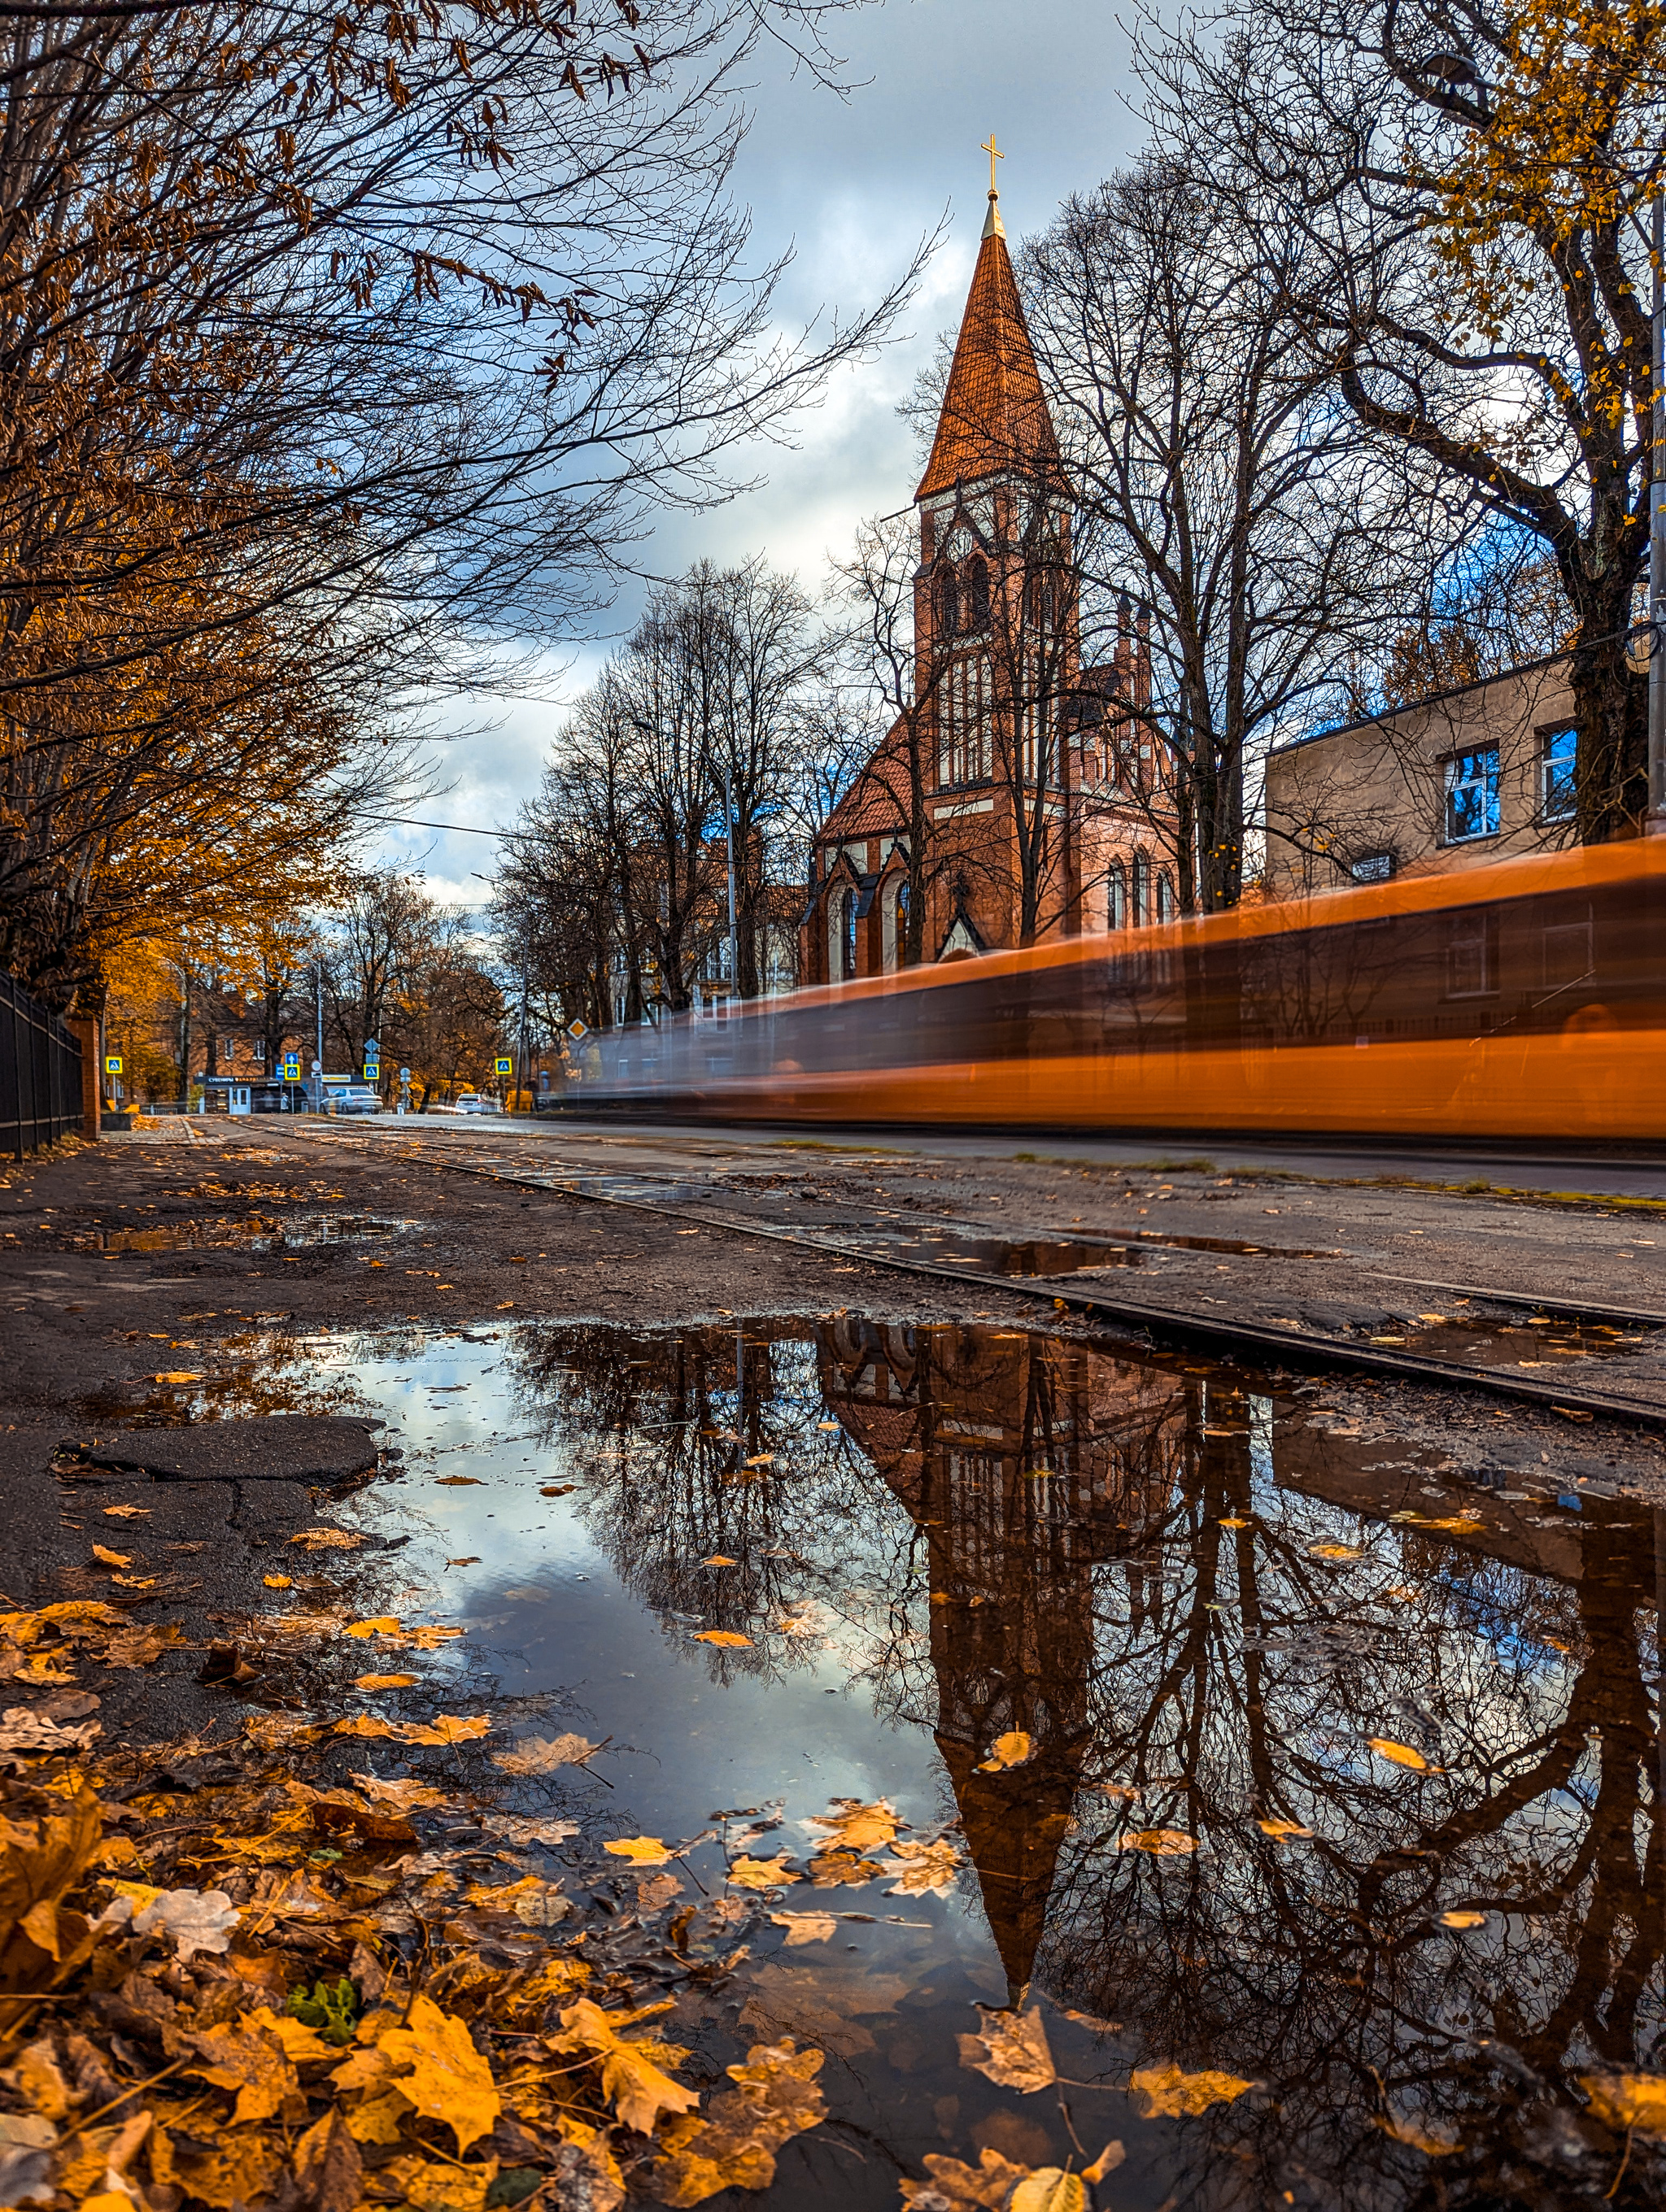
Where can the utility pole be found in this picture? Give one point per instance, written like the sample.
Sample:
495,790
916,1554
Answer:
728,840
318,1103
1657,817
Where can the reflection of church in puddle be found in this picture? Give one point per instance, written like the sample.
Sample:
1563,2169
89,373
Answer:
1026,1464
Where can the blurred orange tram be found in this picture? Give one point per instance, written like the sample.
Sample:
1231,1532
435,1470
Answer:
1525,1000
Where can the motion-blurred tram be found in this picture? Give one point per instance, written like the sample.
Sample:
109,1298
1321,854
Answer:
1525,1000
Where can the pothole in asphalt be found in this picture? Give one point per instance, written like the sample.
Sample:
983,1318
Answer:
1275,1760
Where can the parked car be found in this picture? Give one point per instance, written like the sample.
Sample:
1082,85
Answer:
355,1098
471,1102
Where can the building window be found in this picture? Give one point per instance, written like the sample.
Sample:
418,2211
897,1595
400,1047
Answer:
258,1050
1556,774
902,925
847,936
1472,795
1472,955
1117,897
1141,890
974,594
1372,867
964,752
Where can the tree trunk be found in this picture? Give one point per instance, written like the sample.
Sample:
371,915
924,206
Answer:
1611,707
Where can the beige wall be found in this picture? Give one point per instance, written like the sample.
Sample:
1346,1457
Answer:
1381,787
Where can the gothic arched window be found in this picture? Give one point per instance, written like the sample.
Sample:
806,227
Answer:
902,925
847,935
948,603
975,581
1117,897
1164,897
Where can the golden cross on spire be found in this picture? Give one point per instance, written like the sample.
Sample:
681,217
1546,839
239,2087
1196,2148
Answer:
996,155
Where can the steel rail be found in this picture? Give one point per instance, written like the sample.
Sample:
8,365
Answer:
1292,1347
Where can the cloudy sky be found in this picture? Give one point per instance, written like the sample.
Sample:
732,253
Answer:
850,185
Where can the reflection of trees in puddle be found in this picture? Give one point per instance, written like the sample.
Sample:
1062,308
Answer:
257,1372
1071,1571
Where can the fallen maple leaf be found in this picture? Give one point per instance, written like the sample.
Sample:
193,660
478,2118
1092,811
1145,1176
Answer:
438,2067
1401,1754
734,2147
726,1637
366,1724
1162,1843
1011,2049
1628,2101
1013,1749
381,1623
328,2173
761,1874
247,2058
843,1870
964,2188
851,1826
1333,1551
640,2089
719,1559
538,1754
640,1851
656,1891
805,1927
924,1868
1167,2092
26,1734
444,1727
403,1796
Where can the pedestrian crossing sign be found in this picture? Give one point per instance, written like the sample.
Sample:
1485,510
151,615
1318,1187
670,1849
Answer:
113,1063
506,1067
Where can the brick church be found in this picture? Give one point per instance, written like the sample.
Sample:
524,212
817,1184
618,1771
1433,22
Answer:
1018,795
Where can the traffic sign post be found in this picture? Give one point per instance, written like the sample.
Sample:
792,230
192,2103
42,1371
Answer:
113,1063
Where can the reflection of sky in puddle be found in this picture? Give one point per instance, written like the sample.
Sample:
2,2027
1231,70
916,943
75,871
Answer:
1174,1584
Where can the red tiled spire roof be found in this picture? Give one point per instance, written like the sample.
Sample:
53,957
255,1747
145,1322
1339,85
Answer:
995,413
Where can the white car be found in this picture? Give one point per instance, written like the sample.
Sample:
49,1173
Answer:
355,1098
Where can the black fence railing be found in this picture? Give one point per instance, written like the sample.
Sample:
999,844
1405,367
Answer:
39,1073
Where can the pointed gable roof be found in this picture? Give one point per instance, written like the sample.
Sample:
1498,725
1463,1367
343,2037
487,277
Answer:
995,413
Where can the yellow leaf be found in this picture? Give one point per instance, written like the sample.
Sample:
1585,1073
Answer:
734,2147
366,1724
726,1637
383,1681
1401,1754
761,1874
279,1581
719,1559
805,1927
1281,1828
111,1558
127,1512
1627,2101
1162,1843
924,1868
446,1727
1011,2049
1107,2162
1166,2092
326,1540
640,1851
543,1754
1464,1919
403,1796
851,1826
177,1375
639,2089
1234,1520
965,2188
1049,2188
1436,2143
384,1624
426,2186
1013,1749
1333,1551
438,2067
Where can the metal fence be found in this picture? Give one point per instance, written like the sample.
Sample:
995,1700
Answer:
39,1073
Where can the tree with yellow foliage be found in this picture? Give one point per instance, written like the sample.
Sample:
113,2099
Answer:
1470,179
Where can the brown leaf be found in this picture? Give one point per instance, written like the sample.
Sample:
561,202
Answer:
328,2173
1011,2049
458,1482
805,1927
444,1728
851,1826
383,1681
843,1870
925,1868
327,1540
985,2187
539,1754
656,1891
401,1796
1436,2141
1013,1749
761,1874
1162,1843
247,2058
734,2147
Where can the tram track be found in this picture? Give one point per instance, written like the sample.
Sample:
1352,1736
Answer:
1288,1346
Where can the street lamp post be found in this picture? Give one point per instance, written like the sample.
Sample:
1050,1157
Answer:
728,842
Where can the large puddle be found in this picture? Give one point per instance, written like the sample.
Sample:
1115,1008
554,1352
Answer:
1309,1791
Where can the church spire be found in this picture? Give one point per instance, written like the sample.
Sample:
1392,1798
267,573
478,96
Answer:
992,225
994,418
